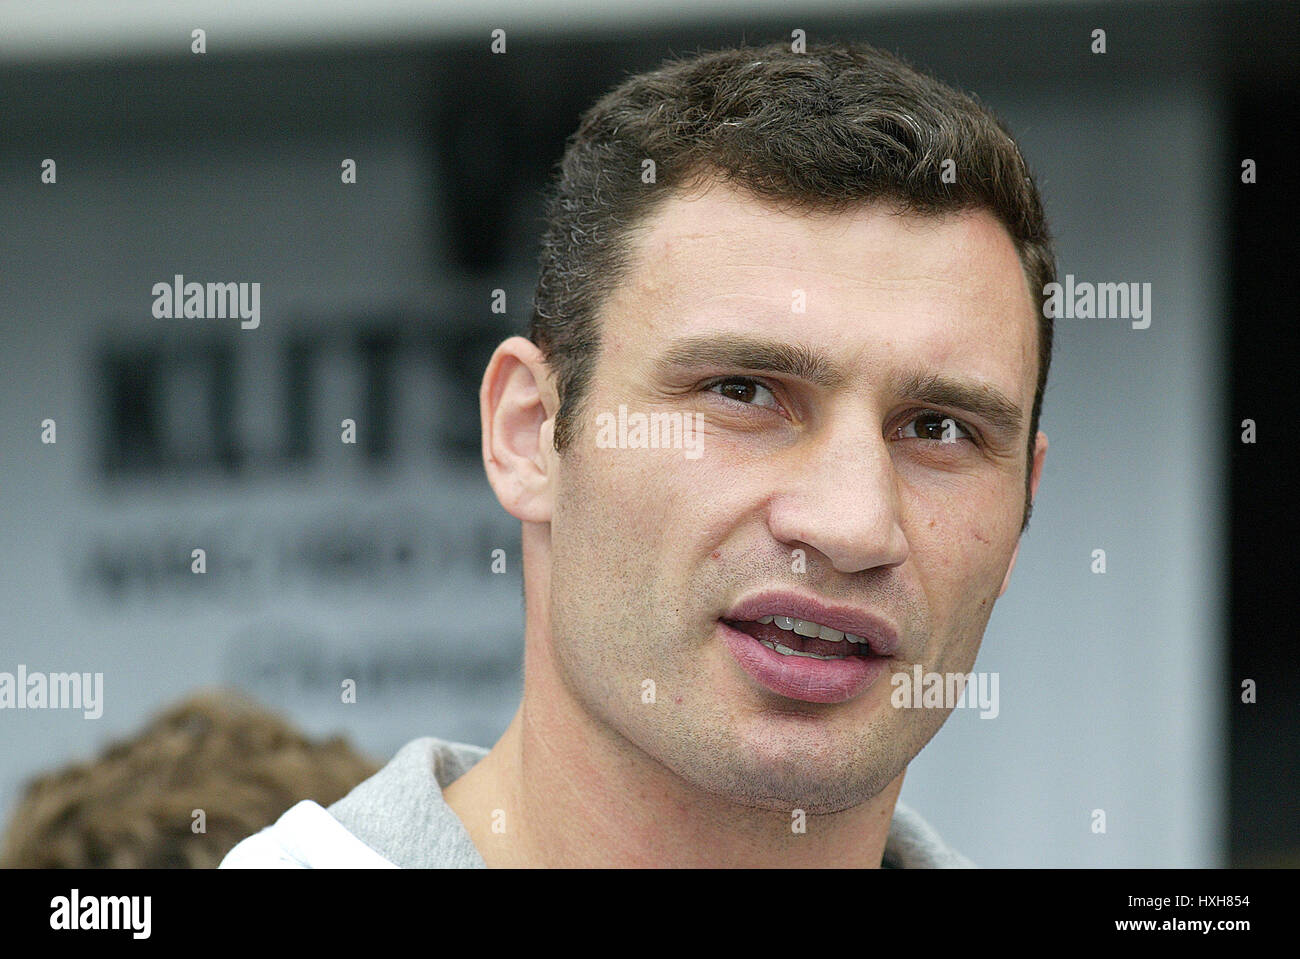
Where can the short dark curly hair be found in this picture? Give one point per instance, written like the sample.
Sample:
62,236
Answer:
132,806
838,125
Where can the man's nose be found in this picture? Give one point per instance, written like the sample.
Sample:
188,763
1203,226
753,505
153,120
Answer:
839,495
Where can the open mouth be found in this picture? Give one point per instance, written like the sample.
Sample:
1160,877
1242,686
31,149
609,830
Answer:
787,636
808,659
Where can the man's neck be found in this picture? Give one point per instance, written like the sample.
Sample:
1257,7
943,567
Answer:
559,792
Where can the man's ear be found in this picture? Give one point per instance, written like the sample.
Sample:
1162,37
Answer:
1040,454
517,405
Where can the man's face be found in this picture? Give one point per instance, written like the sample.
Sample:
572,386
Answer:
833,484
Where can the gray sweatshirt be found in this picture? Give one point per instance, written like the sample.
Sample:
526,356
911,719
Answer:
398,817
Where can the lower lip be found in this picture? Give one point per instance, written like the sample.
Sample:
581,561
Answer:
800,677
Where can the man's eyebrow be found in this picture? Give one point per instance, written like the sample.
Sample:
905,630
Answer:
740,352
751,353
987,402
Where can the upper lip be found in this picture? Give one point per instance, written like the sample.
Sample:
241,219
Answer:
879,634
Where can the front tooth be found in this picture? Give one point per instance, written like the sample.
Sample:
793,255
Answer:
785,622
765,619
805,628
787,651
834,635
854,639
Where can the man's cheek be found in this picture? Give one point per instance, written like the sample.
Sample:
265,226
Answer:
648,489
972,604
976,531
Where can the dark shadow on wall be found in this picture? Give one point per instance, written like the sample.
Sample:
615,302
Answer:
1264,755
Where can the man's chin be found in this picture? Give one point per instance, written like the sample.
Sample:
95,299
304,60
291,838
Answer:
795,780
816,797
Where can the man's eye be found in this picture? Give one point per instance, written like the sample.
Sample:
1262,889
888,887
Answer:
744,390
935,426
